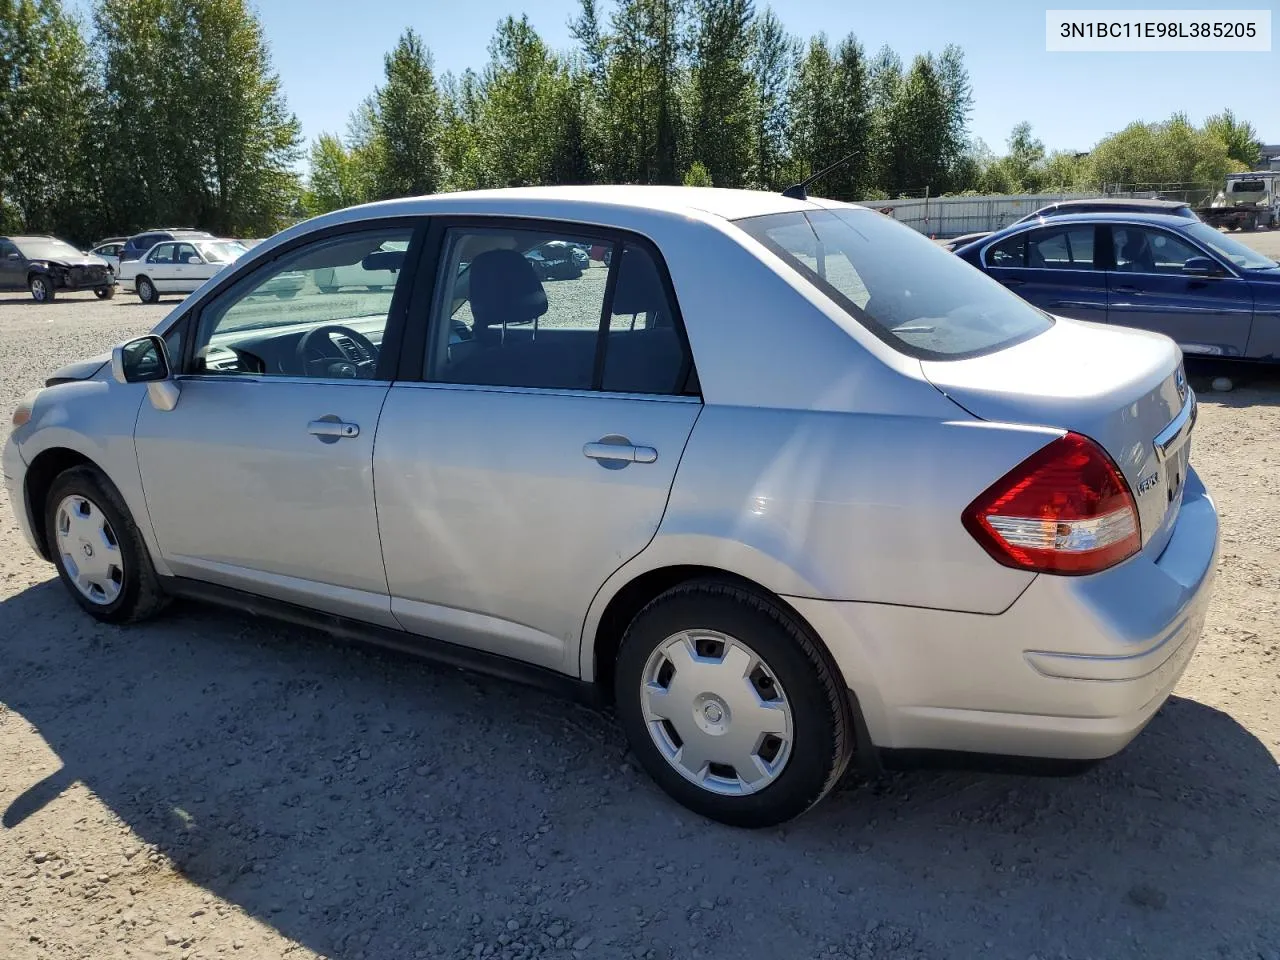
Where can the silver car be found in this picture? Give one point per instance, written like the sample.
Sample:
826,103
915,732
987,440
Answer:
786,482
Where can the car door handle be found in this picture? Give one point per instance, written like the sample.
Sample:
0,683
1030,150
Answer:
1126,289
1013,283
331,428
619,449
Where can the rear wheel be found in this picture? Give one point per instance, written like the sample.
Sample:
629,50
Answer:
147,291
41,289
731,705
98,549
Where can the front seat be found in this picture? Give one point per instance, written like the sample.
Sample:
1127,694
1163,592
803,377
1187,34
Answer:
1137,257
504,290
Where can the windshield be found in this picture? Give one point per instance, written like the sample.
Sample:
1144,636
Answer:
908,291
49,249
1229,247
225,251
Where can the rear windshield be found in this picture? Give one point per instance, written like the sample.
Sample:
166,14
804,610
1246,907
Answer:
903,287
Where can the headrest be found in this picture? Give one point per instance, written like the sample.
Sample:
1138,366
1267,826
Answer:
639,288
505,289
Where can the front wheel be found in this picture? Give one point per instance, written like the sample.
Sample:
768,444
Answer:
98,549
147,291
731,705
41,289
104,293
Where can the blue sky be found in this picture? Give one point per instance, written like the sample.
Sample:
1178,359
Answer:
329,55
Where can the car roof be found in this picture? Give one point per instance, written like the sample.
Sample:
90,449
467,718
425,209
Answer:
1131,202
29,236
719,202
1118,216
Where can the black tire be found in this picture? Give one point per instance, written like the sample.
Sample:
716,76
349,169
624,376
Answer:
104,293
140,593
147,291
42,289
823,721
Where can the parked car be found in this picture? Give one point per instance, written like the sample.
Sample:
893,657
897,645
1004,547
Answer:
47,265
1175,208
140,243
176,266
1171,274
557,260
110,250
782,511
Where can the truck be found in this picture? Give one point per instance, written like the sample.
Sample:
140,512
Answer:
1246,202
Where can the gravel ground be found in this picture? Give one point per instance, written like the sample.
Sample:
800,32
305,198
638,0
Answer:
210,785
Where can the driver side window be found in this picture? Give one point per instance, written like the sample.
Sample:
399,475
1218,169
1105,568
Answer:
319,311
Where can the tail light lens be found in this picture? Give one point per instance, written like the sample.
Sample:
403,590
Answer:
1065,509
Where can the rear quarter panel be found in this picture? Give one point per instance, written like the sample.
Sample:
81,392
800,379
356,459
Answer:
1264,335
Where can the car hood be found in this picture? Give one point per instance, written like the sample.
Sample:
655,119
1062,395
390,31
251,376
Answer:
78,370
1269,275
84,261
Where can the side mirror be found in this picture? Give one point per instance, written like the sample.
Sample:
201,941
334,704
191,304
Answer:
1201,267
195,259
146,360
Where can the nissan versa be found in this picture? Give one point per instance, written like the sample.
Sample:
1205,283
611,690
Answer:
783,479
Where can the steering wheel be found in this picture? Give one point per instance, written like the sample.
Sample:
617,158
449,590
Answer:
320,355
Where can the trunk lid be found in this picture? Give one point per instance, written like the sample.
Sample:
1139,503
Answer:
1121,387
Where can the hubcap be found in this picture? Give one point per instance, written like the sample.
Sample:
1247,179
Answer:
89,548
145,290
716,712
37,288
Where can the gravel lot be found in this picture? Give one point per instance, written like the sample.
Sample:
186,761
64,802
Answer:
213,785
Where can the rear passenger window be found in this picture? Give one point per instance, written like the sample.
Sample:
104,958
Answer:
527,308
645,352
1062,248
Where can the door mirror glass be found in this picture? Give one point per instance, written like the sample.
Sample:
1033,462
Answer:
1201,267
144,360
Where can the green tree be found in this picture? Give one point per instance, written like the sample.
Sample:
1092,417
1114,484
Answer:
193,126
460,155
815,137
45,101
773,55
1239,137
722,91
405,123
698,176
1173,151
522,85
335,180
917,132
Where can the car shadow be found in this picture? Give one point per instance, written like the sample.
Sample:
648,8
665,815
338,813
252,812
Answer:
1251,385
367,804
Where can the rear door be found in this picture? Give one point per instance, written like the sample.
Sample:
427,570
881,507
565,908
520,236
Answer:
1148,289
1054,268
534,450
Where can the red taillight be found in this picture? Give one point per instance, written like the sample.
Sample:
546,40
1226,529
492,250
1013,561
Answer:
1065,509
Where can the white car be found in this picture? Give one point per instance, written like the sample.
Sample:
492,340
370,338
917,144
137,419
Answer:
110,252
176,266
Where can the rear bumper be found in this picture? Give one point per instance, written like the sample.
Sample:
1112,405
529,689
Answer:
1074,669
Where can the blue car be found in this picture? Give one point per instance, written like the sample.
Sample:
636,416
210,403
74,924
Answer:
1177,276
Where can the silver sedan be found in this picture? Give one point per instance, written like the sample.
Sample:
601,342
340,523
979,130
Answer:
779,477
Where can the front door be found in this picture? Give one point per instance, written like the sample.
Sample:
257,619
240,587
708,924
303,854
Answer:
1053,268
1206,315
536,454
261,478
190,269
